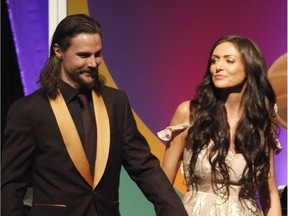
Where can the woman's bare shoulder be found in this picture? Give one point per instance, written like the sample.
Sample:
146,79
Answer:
182,113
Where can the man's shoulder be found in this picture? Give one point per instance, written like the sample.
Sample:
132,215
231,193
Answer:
114,96
107,90
33,97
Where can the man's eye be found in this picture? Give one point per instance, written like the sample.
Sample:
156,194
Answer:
98,54
83,55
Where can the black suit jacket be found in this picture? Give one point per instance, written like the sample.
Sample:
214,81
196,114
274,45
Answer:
34,143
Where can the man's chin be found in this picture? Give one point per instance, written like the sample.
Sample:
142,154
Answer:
87,84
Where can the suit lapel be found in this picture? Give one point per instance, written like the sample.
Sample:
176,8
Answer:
72,140
103,137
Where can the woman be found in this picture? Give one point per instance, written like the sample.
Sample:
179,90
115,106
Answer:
226,135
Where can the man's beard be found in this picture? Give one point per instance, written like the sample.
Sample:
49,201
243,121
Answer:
92,84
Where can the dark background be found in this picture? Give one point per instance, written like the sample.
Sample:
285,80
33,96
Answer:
11,86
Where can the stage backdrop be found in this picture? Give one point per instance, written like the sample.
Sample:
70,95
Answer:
157,52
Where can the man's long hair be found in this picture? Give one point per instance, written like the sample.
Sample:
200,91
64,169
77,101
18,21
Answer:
255,132
68,28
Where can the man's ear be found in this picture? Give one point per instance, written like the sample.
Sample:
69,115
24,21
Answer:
57,50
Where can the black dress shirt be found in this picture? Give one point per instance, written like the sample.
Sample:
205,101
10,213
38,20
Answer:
69,94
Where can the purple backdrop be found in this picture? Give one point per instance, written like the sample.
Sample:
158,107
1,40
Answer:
157,50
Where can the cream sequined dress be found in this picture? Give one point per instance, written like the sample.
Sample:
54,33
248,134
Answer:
205,202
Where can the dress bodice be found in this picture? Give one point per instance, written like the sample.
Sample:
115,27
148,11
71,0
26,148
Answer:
203,167
205,201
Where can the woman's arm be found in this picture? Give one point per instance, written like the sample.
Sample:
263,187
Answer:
174,148
272,208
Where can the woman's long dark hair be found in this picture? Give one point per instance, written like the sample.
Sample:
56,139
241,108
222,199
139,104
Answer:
68,28
255,132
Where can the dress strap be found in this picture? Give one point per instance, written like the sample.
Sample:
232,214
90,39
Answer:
166,134
279,147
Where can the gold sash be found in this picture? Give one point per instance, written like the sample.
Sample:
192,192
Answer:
72,140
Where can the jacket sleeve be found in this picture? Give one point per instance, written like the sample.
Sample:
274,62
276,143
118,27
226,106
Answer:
144,168
19,144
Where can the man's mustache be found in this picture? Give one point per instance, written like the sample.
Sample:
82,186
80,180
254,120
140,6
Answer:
93,72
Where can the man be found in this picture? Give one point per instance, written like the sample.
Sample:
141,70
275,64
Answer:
46,136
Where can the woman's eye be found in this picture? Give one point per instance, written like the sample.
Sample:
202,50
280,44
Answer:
213,61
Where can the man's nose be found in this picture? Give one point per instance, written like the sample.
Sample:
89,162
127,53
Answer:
94,62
